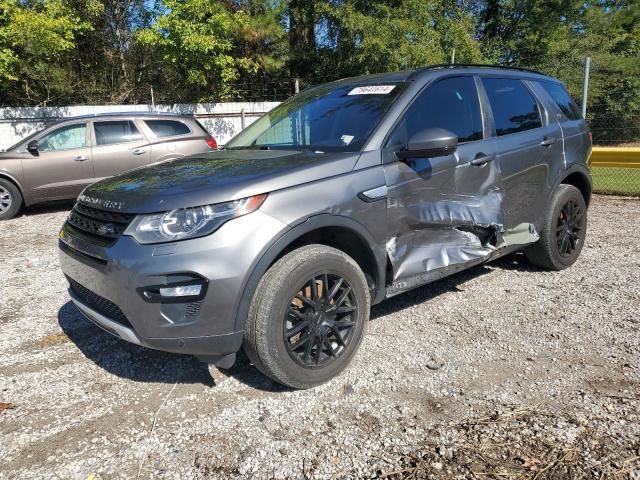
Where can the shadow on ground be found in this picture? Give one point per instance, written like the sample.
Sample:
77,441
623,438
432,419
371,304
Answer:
51,207
454,283
145,365
141,364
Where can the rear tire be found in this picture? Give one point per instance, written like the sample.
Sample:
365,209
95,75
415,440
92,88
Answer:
563,233
307,317
10,200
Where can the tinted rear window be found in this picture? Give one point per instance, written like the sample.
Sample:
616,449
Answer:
514,107
108,133
167,128
562,99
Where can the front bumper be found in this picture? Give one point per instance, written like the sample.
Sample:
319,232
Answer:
105,284
212,346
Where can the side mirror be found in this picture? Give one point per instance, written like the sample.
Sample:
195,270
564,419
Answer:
428,143
33,146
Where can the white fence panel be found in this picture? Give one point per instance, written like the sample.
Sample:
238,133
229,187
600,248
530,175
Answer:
222,120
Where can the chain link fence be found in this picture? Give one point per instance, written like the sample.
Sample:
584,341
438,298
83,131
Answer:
613,113
615,161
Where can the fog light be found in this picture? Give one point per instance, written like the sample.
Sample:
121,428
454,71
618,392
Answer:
177,289
181,291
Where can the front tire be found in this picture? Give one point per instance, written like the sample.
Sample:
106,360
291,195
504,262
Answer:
10,200
563,232
307,317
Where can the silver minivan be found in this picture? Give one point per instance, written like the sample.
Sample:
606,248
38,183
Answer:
57,162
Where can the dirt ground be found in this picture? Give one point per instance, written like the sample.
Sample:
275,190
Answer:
502,371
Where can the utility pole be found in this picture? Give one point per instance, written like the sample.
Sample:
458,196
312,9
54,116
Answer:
153,101
585,86
453,56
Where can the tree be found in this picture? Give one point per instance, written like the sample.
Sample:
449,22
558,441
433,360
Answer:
196,39
555,37
302,37
35,36
354,37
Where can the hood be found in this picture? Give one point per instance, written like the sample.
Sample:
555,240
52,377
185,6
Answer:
212,178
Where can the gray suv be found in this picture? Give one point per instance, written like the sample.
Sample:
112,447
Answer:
343,196
57,162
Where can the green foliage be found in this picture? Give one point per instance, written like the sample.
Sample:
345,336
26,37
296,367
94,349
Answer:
377,36
196,38
34,38
114,51
357,37
40,31
556,36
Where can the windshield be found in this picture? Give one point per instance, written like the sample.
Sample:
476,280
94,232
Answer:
324,118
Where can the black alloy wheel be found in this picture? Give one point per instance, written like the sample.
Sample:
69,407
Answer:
563,230
569,227
321,320
308,316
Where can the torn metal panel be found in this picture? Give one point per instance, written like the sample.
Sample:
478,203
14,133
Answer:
431,249
522,234
456,249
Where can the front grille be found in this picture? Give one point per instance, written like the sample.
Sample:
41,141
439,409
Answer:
81,256
98,303
98,226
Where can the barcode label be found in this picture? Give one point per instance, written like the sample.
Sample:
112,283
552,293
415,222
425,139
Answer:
372,90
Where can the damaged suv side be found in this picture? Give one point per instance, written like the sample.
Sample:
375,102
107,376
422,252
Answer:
345,195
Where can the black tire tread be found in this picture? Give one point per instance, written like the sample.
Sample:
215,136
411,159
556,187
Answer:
256,345
542,253
17,199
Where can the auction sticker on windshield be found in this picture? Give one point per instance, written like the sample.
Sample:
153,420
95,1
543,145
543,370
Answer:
372,90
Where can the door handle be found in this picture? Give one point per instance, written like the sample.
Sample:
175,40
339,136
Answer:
138,151
482,159
547,141
80,158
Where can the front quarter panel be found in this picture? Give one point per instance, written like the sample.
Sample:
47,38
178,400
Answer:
335,196
11,168
332,202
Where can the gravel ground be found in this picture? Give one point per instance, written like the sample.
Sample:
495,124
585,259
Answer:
502,371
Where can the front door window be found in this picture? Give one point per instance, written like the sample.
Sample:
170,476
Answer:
65,138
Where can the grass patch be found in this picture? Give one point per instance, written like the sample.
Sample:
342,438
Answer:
623,181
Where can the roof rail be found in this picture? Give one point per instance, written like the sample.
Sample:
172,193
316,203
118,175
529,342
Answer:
125,114
477,65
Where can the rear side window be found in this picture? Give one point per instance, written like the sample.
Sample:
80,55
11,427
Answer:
562,99
121,131
451,103
167,128
514,107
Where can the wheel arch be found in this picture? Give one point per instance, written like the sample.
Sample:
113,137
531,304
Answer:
580,179
6,176
339,232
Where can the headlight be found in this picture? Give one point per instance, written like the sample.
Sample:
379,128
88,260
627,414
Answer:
192,222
